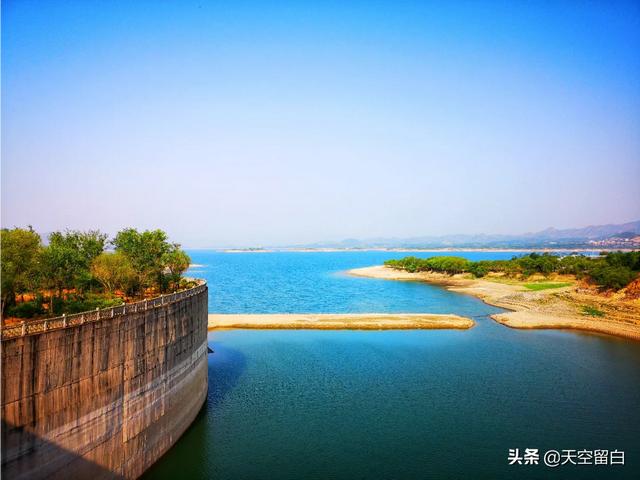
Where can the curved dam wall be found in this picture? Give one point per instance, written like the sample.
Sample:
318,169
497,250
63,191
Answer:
93,397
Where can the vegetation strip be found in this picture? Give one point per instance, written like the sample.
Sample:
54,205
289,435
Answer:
611,271
74,272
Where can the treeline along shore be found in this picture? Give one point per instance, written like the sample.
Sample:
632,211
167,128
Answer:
600,294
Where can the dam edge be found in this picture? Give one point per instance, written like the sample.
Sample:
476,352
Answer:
104,397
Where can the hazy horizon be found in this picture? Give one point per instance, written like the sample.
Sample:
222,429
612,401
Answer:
319,241
250,123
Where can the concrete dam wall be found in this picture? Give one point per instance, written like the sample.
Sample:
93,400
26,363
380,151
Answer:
103,394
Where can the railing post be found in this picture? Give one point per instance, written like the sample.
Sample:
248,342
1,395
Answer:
145,304
64,319
45,325
112,312
24,327
97,313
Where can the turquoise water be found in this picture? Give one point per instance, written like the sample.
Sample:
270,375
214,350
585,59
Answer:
395,404
298,282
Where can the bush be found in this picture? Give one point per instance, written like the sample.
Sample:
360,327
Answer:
82,304
447,264
479,269
592,311
26,309
609,271
630,260
450,265
612,278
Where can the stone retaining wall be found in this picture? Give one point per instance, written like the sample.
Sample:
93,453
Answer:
105,398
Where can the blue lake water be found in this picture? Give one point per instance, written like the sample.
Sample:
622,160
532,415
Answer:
295,282
395,404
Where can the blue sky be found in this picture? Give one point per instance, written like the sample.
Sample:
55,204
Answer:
257,123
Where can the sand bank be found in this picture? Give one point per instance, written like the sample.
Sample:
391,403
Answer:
414,250
347,321
561,308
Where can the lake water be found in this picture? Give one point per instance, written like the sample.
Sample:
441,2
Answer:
395,404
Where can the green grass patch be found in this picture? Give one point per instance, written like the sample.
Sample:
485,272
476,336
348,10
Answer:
545,285
592,312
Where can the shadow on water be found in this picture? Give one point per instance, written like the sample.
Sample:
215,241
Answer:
226,366
190,456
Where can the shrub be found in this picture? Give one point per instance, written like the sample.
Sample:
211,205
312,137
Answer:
612,278
609,271
479,269
26,309
592,311
82,304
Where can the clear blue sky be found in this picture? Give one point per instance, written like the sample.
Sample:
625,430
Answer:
256,123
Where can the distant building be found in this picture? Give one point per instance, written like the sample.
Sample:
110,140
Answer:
617,242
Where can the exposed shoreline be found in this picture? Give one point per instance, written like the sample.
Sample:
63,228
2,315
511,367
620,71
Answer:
419,250
340,321
558,308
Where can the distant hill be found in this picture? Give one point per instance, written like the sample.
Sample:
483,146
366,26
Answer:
594,236
592,232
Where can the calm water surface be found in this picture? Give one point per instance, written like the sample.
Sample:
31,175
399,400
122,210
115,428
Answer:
395,404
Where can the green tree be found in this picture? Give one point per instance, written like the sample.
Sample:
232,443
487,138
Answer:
176,262
145,250
58,267
68,257
20,251
114,271
65,263
612,277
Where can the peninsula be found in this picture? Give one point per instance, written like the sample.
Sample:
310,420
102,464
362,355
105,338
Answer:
560,302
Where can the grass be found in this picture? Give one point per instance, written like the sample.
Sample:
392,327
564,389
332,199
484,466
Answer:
592,312
536,286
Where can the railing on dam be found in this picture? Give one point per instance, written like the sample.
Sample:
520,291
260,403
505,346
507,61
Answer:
65,321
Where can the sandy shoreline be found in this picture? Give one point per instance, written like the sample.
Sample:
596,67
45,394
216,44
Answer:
559,308
415,250
347,321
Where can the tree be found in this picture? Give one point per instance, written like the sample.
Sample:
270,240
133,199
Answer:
90,244
612,277
177,262
58,267
145,251
67,259
114,271
74,261
20,251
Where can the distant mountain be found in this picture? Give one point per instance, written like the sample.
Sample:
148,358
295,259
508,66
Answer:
592,232
612,236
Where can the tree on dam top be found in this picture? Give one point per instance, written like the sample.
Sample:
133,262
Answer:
77,271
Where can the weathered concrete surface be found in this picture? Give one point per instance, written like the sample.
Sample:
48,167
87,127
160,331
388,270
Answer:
104,399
